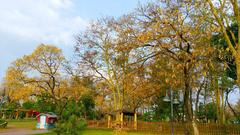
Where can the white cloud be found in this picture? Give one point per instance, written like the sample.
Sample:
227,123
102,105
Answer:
47,21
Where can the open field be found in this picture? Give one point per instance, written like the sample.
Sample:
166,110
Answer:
28,124
21,127
20,124
100,132
29,127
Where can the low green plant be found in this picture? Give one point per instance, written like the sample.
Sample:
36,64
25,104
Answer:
71,121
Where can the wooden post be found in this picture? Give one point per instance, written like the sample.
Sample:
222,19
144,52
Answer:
109,121
1,113
17,114
26,114
121,115
135,121
4,115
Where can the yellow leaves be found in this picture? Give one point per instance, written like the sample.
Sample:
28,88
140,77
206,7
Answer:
144,37
211,65
173,76
17,93
127,31
225,66
179,66
16,89
204,73
19,62
227,49
46,48
34,70
167,80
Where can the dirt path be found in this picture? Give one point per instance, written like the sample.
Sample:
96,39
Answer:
22,132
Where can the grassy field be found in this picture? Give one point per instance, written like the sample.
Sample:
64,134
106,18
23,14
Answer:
28,124
31,124
88,132
100,132
20,124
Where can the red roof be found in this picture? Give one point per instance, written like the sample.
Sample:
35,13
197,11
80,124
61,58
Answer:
49,115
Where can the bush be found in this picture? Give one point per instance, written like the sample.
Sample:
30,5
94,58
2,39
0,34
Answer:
72,126
2,121
28,105
70,121
44,104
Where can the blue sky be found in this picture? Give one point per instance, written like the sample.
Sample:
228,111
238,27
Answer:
27,23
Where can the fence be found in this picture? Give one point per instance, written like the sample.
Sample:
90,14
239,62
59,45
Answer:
164,128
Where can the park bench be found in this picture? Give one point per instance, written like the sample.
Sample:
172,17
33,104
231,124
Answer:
3,125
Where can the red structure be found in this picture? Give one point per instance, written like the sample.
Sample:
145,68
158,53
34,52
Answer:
33,113
46,120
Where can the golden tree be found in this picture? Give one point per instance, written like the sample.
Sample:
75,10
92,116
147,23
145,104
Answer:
41,70
225,14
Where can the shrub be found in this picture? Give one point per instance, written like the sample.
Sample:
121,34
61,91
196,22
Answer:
70,121
73,126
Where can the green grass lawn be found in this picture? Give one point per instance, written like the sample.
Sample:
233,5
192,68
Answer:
100,132
87,132
28,124
31,124
20,124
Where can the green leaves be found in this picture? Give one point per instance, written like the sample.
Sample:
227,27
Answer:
72,121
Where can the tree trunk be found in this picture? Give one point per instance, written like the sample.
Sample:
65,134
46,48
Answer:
223,107
187,103
204,101
191,101
218,101
230,106
237,59
197,100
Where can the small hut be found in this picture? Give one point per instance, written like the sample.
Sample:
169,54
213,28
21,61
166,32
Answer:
126,119
46,120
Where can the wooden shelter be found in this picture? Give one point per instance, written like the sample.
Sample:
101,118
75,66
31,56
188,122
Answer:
123,119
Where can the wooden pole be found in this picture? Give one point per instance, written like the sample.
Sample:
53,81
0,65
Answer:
109,121
17,114
4,115
26,114
135,121
121,115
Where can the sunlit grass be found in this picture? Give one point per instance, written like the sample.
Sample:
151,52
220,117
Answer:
27,124
101,132
19,124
